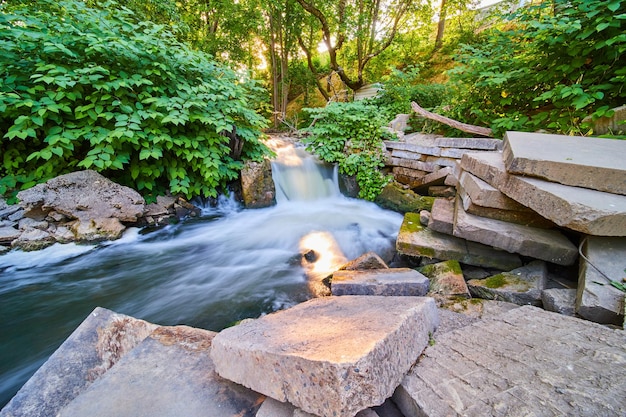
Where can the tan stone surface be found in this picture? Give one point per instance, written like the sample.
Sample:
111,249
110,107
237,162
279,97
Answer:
442,216
588,211
595,163
332,356
389,282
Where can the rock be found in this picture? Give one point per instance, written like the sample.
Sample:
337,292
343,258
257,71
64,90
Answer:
446,279
84,195
611,125
369,260
520,286
389,282
399,124
394,197
414,164
8,234
424,217
469,143
586,162
95,346
597,300
525,217
97,229
17,215
169,373
257,186
483,194
535,363
434,178
33,239
442,216
474,272
581,209
161,207
441,191
415,240
27,223
6,210
332,356
406,175
476,308
63,235
547,245
274,408
559,300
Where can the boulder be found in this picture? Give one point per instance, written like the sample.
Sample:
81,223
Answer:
33,239
257,185
395,197
332,356
521,286
389,282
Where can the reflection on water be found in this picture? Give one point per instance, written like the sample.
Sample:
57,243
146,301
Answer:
206,273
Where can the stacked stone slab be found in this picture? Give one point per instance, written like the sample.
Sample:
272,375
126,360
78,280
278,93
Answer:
422,160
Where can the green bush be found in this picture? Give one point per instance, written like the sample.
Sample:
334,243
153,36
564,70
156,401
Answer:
548,68
351,135
95,88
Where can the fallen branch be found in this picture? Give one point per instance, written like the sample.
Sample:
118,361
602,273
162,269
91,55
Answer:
478,130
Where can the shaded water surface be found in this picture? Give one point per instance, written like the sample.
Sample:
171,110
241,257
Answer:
209,272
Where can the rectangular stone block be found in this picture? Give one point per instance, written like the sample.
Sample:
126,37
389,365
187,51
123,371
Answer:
330,356
433,178
594,163
390,282
407,175
398,153
469,143
526,217
441,161
597,300
412,164
442,216
416,240
588,211
548,245
485,195
453,152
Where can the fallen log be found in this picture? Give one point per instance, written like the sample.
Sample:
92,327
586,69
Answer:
478,130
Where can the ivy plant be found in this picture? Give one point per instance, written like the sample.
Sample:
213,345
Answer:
95,88
351,135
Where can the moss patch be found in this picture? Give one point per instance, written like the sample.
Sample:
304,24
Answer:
496,281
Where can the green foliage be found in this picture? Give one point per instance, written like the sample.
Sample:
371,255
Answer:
351,135
555,63
85,88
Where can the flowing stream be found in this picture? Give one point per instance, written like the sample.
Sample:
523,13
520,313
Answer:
210,272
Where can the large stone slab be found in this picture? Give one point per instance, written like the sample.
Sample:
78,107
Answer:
520,286
593,163
416,240
597,300
391,282
588,211
526,362
469,143
331,356
94,347
169,374
442,216
485,195
548,245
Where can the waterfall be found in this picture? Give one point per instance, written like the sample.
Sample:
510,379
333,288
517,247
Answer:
299,176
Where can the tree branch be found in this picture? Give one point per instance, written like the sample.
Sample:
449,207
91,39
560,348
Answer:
478,130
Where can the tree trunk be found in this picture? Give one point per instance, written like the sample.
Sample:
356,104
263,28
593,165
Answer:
478,130
441,25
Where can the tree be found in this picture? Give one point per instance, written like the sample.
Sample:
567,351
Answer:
370,24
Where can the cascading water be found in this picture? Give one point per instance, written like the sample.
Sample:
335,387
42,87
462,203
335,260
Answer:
228,265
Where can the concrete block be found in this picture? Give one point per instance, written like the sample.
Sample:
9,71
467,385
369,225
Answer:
390,282
594,163
415,240
597,300
520,286
169,374
588,211
442,216
527,362
331,356
548,245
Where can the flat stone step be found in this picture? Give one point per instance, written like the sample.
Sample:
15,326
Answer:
597,300
588,211
170,373
526,362
483,194
390,282
594,163
544,244
95,346
331,356
416,240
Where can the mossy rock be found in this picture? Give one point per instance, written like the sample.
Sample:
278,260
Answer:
395,197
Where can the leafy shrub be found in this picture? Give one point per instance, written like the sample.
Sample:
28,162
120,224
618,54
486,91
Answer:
555,63
95,88
351,135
